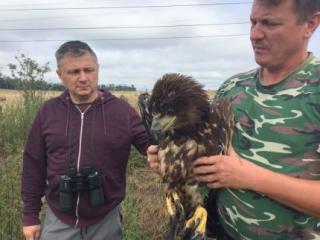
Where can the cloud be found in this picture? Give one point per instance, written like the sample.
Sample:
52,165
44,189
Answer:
140,62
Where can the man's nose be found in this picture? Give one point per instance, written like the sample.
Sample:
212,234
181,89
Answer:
83,76
256,32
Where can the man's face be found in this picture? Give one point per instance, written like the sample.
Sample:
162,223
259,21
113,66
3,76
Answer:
276,37
80,76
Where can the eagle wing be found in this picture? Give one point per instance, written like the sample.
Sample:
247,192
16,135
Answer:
223,118
146,116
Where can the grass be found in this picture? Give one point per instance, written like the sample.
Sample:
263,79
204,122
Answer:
144,202
15,121
10,206
9,97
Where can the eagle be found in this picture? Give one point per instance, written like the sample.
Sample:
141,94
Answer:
186,125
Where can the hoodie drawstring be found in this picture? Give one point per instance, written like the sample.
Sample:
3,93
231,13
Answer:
103,118
93,134
68,116
68,134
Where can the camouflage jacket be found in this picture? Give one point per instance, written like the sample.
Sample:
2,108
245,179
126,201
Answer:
278,128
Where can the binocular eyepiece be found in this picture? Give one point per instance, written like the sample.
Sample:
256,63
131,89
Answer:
86,180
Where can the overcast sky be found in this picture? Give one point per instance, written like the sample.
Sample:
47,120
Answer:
136,41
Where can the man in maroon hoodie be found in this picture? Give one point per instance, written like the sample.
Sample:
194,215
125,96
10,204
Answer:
76,155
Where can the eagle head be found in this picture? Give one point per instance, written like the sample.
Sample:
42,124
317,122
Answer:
178,104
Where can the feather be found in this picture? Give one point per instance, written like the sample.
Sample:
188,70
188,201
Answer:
145,115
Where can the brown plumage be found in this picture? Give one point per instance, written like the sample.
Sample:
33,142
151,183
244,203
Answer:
186,126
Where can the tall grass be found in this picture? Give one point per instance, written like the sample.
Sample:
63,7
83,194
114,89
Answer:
15,121
144,215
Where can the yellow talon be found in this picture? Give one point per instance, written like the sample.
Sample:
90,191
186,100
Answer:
175,196
195,226
200,218
169,206
172,200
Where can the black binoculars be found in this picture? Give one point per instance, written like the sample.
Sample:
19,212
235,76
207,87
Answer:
87,179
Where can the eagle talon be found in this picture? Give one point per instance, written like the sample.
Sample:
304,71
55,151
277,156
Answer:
195,227
177,216
175,208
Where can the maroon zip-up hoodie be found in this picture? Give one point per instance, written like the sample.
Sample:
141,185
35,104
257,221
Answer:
59,137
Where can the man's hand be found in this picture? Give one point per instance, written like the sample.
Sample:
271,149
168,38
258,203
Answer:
32,232
153,160
226,171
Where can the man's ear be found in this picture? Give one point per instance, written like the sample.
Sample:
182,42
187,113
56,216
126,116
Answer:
312,24
58,73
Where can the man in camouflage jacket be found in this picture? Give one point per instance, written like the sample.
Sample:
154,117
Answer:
269,184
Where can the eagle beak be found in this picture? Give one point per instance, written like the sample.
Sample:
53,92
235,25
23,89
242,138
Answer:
161,125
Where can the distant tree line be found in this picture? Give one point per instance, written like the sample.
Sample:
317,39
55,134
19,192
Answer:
16,84
121,87
29,72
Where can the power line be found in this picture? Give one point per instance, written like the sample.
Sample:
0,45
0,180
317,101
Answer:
123,7
128,39
123,27
50,3
76,16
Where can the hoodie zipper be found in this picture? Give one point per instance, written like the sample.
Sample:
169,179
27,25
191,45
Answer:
79,158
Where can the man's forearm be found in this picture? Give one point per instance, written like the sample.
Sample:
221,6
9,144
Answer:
300,194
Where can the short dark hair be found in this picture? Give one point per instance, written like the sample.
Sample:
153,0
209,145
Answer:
304,9
73,48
